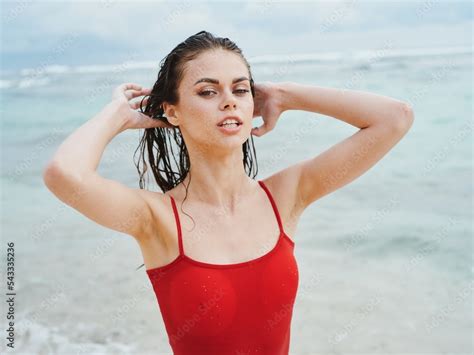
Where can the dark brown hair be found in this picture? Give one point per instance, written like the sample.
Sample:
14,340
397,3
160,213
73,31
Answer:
165,89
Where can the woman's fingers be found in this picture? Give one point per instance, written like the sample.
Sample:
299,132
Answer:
128,86
136,104
153,122
163,124
128,91
122,89
131,86
130,94
256,111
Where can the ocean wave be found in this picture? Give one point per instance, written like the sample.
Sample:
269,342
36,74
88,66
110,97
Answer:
360,55
27,83
5,84
50,69
130,65
84,69
331,57
37,338
361,59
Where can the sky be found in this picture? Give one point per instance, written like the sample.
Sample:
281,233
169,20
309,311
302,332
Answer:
112,31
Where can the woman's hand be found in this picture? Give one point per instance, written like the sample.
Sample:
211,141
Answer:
122,95
267,104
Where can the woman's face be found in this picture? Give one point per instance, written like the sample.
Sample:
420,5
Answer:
207,94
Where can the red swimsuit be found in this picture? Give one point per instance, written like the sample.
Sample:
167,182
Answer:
224,309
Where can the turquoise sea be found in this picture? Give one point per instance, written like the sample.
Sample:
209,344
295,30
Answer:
385,262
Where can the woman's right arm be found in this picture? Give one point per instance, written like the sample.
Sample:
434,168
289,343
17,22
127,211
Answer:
71,174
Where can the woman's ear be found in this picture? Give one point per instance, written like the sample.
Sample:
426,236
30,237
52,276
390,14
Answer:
170,113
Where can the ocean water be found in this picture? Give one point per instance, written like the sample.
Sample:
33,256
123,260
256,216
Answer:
385,262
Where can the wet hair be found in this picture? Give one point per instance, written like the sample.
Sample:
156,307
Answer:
165,89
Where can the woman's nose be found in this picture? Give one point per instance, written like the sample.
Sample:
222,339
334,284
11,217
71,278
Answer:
229,99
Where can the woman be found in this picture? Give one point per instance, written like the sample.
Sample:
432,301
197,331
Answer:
229,285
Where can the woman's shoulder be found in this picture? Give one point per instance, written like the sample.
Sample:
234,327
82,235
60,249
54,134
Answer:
282,187
162,218
158,202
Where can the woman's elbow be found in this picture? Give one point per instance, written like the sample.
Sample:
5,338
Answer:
404,117
51,175
55,176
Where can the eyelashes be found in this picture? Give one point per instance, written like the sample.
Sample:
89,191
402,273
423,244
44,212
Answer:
206,92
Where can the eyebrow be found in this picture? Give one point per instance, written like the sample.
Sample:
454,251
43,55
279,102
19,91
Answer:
215,81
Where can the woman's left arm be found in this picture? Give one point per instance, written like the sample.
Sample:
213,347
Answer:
382,122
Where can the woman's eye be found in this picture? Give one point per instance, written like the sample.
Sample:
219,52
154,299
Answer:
207,92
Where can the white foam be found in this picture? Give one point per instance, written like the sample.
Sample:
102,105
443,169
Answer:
48,69
128,65
5,84
34,338
359,55
29,82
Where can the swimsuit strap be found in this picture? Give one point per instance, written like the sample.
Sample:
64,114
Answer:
178,225
275,209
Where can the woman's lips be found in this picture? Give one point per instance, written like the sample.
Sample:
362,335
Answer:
230,129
